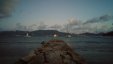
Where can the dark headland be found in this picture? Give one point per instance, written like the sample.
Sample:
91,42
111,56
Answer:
49,33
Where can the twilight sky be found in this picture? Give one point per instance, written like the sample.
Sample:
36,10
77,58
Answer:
76,16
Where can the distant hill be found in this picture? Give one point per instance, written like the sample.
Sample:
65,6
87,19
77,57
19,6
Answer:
99,34
12,33
48,33
88,34
33,33
108,34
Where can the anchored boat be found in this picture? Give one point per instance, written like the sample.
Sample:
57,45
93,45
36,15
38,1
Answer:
52,52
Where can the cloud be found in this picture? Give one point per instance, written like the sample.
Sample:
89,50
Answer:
92,28
56,27
94,25
42,26
103,18
72,23
80,29
104,28
31,27
6,7
19,26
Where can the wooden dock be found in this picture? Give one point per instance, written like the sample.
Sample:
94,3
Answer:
53,52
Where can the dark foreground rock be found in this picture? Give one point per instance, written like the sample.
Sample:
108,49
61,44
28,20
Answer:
53,52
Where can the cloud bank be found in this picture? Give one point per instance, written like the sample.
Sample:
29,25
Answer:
6,7
103,18
96,25
42,26
19,26
55,27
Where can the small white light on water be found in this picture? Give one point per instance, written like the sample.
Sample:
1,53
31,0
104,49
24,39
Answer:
55,35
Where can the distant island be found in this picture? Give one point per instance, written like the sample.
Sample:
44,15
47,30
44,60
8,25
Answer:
48,33
33,33
99,34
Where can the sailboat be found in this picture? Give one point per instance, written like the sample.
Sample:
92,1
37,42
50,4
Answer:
68,31
69,36
27,35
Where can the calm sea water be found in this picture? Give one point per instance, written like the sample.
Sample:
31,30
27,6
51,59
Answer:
95,49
